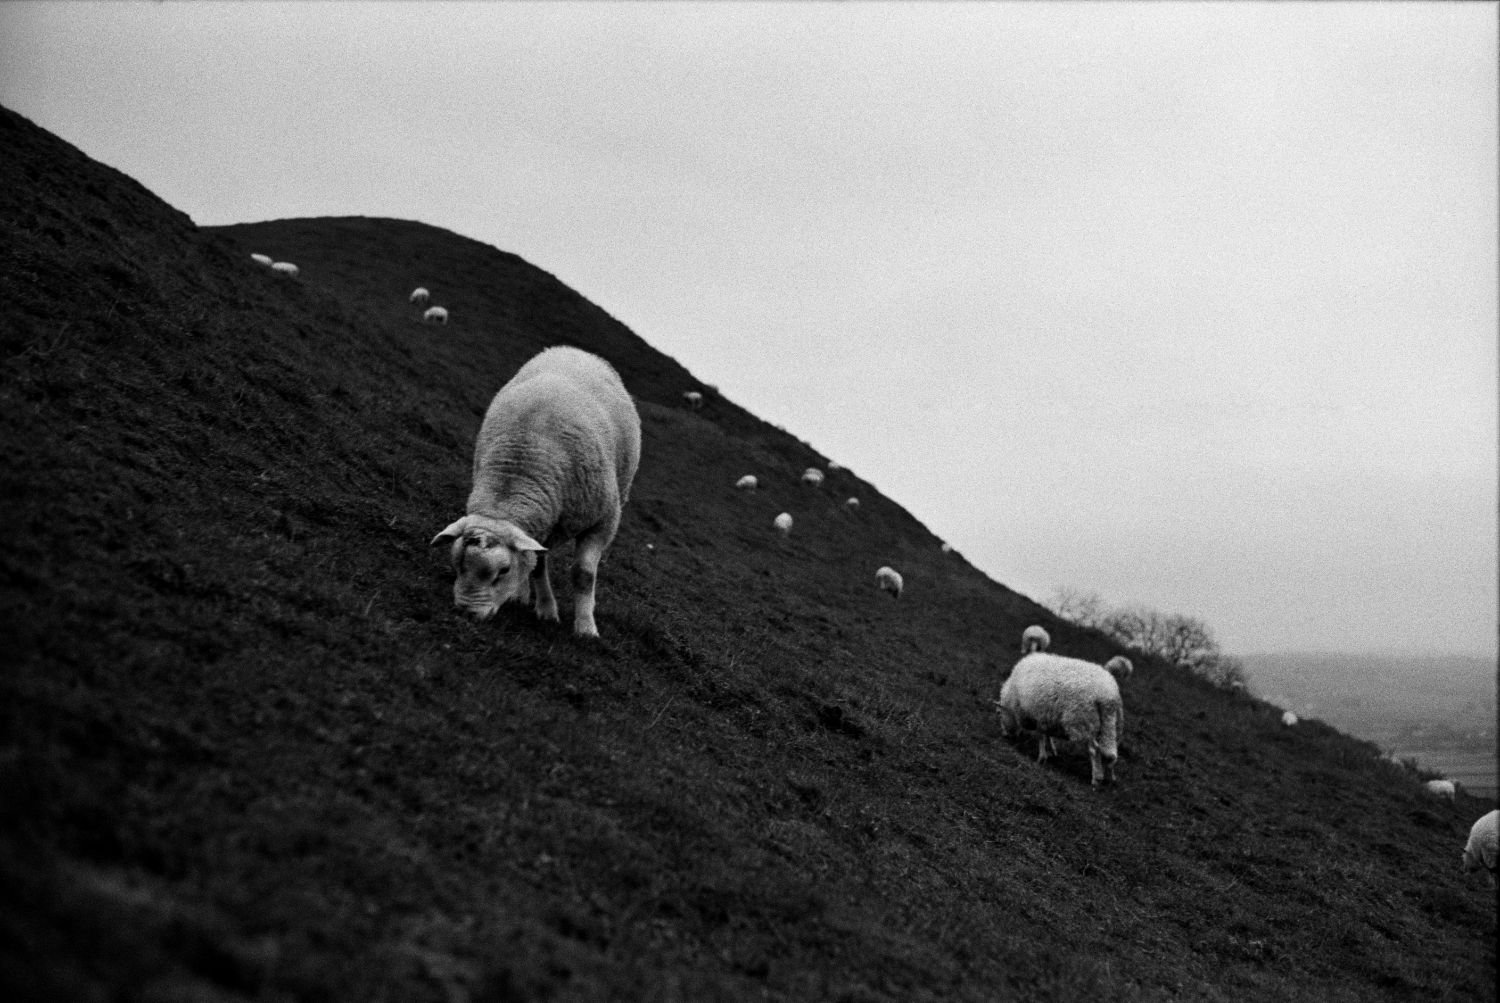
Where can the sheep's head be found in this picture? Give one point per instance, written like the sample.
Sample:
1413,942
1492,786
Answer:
492,563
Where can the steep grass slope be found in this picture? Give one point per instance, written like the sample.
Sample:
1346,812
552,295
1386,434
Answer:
248,749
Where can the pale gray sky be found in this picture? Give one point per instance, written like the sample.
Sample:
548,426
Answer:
1192,305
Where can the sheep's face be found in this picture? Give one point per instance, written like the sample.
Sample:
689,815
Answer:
492,564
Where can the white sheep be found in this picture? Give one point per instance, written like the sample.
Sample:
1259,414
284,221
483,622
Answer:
694,400
1288,718
783,523
1440,788
435,315
419,296
285,268
747,483
813,476
1066,698
1119,667
1035,638
834,466
1480,850
553,461
947,548
261,259
851,503
888,579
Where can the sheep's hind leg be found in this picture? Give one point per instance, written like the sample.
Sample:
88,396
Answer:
541,581
585,574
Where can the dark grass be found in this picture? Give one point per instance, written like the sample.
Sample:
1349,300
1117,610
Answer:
249,750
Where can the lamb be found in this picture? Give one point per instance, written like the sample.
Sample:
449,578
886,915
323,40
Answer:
419,296
261,259
1034,638
1288,718
813,476
1480,851
852,503
1440,788
747,483
437,315
553,461
285,268
888,579
1065,698
1119,667
783,523
694,400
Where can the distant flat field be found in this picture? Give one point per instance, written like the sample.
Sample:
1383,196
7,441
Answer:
1474,770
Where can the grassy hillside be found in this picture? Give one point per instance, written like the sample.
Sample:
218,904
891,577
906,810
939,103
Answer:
248,749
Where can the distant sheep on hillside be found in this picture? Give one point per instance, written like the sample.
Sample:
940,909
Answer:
747,483
947,548
693,399
1065,698
553,461
1440,788
813,476
1288,718
1119,667
261,259
435,315
419,296
1481,849
851,503
888,579
834,466
783,523
285,268
1035,638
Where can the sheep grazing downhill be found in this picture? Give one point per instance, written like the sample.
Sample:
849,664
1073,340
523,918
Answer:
435,315
261,259
1481,849
747,483
1035,638
553,461
419,296
888,579
1065,698
813,476
285,268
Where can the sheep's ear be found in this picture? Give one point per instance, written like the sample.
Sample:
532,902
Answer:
520,541
453,532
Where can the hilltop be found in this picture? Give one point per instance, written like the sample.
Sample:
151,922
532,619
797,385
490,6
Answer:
249,749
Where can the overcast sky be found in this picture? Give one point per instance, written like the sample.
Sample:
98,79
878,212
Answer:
1189,305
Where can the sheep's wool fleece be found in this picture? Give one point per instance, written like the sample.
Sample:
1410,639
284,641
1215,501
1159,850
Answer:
564,435
1482,846
1063,695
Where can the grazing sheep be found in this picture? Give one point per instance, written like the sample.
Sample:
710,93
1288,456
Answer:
888,579
694,400
783,524
1035,638
1119,667
1440,788
813,476
1480,851
285,268
261,259
1066,698
851,503
747,483
1288,718
435,315
419,296
553,461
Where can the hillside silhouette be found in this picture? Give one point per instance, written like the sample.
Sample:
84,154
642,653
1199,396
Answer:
248,749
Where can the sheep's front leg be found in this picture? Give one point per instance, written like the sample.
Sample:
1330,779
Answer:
585,573
546,600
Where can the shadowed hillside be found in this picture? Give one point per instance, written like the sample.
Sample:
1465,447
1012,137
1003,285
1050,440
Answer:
248,749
